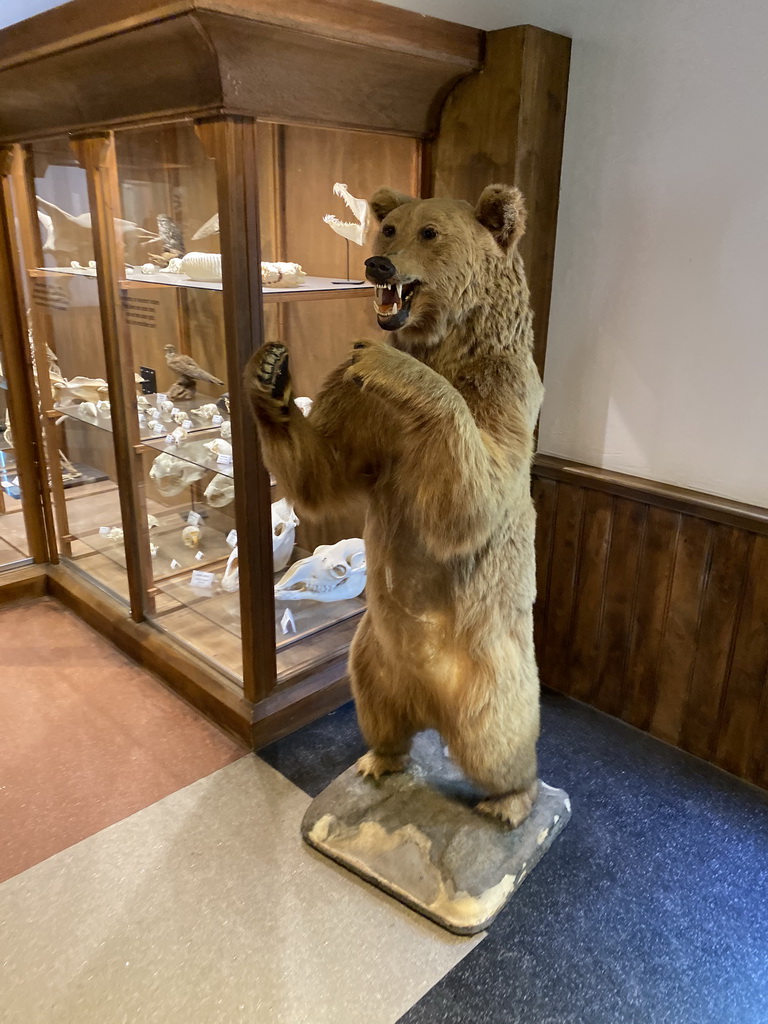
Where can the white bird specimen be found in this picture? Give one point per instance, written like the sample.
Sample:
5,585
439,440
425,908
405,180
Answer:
359,207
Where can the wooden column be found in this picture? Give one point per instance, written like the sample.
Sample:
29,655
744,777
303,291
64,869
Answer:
506,124
17,361
96,155
231,142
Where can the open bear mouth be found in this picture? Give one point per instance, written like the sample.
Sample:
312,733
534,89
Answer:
393,304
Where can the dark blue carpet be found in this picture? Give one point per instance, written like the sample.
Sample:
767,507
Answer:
650,908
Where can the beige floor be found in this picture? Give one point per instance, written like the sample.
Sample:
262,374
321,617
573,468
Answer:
206,908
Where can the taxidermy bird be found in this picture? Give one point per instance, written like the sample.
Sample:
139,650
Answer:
170,235
211,227
72,236
359,207
188,374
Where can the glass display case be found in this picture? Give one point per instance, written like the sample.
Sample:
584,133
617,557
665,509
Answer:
13,535
164,215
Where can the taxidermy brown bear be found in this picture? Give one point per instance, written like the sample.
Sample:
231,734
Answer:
434,426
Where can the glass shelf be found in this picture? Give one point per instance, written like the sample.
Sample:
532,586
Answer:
103,421
195,452
223,607
310,288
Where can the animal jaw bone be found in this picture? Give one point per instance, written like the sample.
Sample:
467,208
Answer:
230,581
211,227
334,572
171,475
359,207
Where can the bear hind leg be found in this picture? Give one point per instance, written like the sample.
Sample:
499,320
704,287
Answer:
512,808
385,724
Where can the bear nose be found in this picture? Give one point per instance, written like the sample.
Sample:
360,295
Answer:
379,269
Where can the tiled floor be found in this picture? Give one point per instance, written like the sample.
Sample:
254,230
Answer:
200,904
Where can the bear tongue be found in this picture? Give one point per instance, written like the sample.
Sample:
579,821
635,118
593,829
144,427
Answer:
387,300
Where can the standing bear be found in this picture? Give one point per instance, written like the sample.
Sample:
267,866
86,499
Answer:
434,428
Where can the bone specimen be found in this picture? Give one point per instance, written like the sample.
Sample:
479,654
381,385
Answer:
188,374
153,549
281,275
219,446
142,402
152,520
178,416
174,266
334,572
72,235
284,523
211,227
230,581
165,408
305,404
84,389
205,412
191,536
226,430
116,533
202,266
104,408
220,491
148,268
171,475
157,427
359,207
7,435
179,435
88,411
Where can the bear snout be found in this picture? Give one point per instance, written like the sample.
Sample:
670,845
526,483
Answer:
379,269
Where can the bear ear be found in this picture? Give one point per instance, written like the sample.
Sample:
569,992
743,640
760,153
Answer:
501,209
385,200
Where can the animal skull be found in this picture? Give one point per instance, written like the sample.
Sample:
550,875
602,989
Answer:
359,207
171,475
334,572
284,523
220,491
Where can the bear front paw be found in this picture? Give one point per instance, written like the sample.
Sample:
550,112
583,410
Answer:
373,765
268,380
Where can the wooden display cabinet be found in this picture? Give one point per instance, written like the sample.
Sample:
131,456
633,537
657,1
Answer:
249,113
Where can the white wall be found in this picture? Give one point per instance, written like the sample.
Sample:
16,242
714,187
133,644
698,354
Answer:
17,10
658,344
657,359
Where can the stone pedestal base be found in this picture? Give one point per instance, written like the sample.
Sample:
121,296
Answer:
416,836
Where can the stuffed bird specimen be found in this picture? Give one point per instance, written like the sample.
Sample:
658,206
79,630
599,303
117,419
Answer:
188,373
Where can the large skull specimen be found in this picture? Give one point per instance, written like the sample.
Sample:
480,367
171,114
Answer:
220,491
171,475
334,572
284,523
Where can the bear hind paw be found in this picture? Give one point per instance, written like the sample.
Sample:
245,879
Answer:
375,765
513,808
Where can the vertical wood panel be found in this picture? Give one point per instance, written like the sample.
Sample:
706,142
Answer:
562,579
717,636
678,647
654,574
739,744
629,520
587,623
545,500
657,616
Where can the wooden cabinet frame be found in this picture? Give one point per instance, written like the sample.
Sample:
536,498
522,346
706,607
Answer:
484,106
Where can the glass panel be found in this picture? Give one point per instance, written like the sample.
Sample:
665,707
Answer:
298,170
13,534
175,326
67,327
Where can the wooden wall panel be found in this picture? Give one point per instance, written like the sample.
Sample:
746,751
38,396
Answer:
656,615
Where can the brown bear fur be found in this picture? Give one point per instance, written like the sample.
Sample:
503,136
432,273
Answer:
434,426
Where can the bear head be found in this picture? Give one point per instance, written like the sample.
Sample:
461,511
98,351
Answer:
435,260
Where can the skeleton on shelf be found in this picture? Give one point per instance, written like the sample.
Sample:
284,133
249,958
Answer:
70,238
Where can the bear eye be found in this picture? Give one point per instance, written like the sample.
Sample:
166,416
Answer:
428,234
388,230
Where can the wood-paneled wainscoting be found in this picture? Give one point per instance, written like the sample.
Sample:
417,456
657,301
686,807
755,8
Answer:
653,607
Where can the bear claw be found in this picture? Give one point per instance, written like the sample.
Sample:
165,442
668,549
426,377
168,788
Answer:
513,808
375,765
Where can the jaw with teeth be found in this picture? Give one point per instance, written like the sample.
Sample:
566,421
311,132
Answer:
393,304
